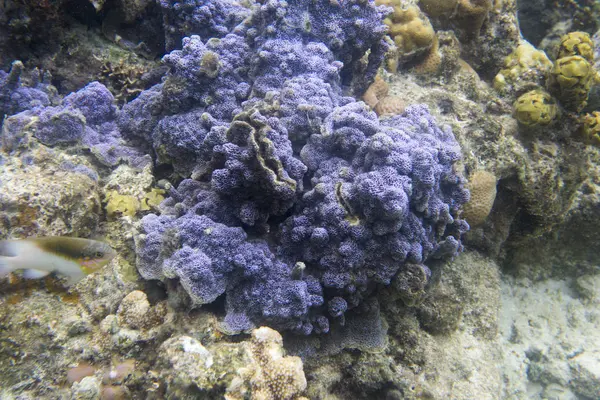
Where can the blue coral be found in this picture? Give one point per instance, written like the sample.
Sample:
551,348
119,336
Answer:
206,18
15,96
309,199
84,118
296,203
382,194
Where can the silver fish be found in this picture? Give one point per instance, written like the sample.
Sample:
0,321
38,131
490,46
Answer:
37,257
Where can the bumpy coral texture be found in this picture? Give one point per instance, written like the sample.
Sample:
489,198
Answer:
15,96
297,200
526,66
482,187
86,117
571,80
409,28
272,376
536,108
207,18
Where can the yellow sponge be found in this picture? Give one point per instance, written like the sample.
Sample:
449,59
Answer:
535,107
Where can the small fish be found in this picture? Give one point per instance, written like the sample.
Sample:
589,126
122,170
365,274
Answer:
37,257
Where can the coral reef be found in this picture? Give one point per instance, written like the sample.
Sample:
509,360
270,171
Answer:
354,212
48,194
243,186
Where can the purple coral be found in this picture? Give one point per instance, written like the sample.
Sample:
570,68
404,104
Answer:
348,28
210,259
15,96
206,18
256,167
212,75
380,197
95,102
301,200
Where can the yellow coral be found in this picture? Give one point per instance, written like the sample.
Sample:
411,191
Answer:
590,129
153,199
409,28
118,204
576,44
525,64
535,107
127,205
482,186
571,80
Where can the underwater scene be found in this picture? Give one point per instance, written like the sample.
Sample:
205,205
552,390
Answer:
301,199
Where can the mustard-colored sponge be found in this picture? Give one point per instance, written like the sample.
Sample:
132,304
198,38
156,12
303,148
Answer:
570,80
576,44
590,128
535,107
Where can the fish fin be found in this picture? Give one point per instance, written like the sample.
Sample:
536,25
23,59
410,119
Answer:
34,273
6,266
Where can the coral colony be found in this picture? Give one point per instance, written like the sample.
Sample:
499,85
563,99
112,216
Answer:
298,202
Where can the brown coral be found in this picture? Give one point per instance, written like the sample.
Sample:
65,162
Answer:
468,15
390,105
437,8
482,186
472,13
378,90
272,376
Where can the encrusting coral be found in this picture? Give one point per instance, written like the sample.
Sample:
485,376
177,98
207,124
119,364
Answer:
271,375
376,91
482,186
389,106
376,97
